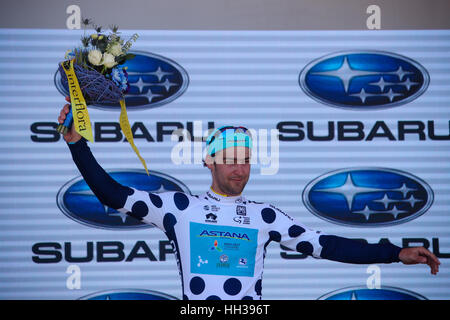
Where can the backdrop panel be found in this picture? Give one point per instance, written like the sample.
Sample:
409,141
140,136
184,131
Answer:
362,114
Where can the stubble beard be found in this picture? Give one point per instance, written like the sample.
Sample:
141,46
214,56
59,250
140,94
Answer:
234,188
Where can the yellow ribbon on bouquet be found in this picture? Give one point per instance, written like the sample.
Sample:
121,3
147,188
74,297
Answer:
80,113
125,127
81,119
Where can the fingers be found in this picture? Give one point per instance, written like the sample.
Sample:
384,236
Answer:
429,255
62,117
434,266
420,255
66,108
430,259
63,113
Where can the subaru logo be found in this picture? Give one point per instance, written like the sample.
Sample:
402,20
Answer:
76,200
364,80
368,197
128,294
154,81
363,293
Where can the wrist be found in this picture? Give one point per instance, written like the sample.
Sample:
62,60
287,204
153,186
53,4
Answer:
397,254
73,141
400,254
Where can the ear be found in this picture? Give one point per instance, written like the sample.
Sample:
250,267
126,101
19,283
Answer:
208,162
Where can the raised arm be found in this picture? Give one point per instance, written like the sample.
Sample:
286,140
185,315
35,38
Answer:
105,188
138,204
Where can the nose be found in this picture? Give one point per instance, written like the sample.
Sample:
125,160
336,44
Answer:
241,169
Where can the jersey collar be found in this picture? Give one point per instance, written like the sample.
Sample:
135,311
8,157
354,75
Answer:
215,197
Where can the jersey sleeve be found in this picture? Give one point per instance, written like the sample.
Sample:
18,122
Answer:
142,205
293,234
296,236
147,207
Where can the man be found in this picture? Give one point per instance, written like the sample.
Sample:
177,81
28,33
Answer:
220,237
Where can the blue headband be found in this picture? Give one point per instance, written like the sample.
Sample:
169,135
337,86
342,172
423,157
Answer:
226,137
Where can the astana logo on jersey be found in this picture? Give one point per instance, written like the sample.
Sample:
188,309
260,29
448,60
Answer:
224,234
222,250
216,246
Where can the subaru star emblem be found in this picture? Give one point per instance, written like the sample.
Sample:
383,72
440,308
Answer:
76,200
363,293
154,81
367,197
364,80
128,294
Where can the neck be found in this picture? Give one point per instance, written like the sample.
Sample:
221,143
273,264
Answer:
224,194
213,195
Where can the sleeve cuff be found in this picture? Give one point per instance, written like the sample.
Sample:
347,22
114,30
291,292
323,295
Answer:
77,146
396,253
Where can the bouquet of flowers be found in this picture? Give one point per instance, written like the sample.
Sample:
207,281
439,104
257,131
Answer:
93,74
98,65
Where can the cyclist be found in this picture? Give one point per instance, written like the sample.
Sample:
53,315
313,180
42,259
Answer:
220,237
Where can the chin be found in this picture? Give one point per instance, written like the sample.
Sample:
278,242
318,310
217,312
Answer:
237,190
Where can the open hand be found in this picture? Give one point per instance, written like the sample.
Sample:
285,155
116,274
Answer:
417,255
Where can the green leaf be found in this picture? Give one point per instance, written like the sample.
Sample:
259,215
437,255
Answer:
85,41
86,21
114,28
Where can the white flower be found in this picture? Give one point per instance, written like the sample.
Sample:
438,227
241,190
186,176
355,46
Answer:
116,49
95,57
109,60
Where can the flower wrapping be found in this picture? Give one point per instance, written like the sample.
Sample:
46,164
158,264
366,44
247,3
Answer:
92,74
96,88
